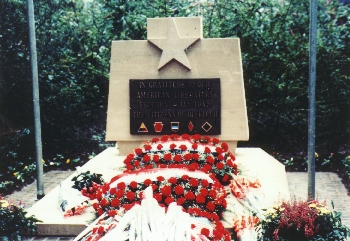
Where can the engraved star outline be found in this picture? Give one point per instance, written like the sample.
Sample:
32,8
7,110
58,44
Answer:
173,47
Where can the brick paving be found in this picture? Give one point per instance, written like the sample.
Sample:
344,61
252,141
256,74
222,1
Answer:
328,187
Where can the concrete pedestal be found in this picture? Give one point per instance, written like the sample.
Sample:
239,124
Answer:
253,162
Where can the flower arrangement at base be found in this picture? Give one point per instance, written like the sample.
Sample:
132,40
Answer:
13,221
149,220
199,194
195,153
302,221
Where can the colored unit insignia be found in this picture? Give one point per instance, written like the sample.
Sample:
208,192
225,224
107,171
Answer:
190,126
206,126
158,126
143,128
175,126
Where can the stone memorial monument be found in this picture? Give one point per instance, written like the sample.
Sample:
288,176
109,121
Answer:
176,82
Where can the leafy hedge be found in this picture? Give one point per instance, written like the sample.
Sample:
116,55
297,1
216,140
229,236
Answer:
74,42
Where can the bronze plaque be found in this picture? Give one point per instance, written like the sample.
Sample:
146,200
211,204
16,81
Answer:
175,106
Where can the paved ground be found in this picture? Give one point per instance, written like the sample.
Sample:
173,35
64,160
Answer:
328,187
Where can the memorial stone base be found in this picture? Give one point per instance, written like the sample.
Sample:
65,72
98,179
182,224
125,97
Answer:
253,162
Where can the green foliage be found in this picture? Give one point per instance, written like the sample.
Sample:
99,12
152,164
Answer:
73,44
86,179
13,221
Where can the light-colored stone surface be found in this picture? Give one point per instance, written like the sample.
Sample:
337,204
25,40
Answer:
253,161
208,58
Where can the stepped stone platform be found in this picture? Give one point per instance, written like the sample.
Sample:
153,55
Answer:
253,162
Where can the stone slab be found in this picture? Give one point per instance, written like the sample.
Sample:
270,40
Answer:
208,58
254,162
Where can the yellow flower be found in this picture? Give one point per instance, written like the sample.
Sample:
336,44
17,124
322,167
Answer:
68,161
316,154
324,210
4,203
312,205
270,211
15,174
281,209
43,161
25,168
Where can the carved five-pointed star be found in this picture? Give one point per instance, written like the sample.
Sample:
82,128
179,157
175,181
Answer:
173,46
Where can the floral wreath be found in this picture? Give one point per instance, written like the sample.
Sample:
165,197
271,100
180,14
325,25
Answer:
195,153
188,170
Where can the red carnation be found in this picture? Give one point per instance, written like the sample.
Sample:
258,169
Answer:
219,150
196,137
155,139
224,146
214,216
205,182
193,226
207,138
194,166
186,136
183,147
178,158
156,158
160,178
172,146
172,180
169,200
207,150
210,160
200,199
212,193
232,156
167,156
203,192
181,201
207,167
146,158
133,184
147,182
115,202
221,157
148,147
113,191
137,163
229,163
121,185
174,136
210,206
166,190
130,195
179,190
215,140
188,156
104,202
195,156
112,213
95,206
100,229
159,147
138,151
158,197
220,165
194,146
127,161
205,232
99,212
225,178
120,193
185,177
190,196
164,138
194,182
